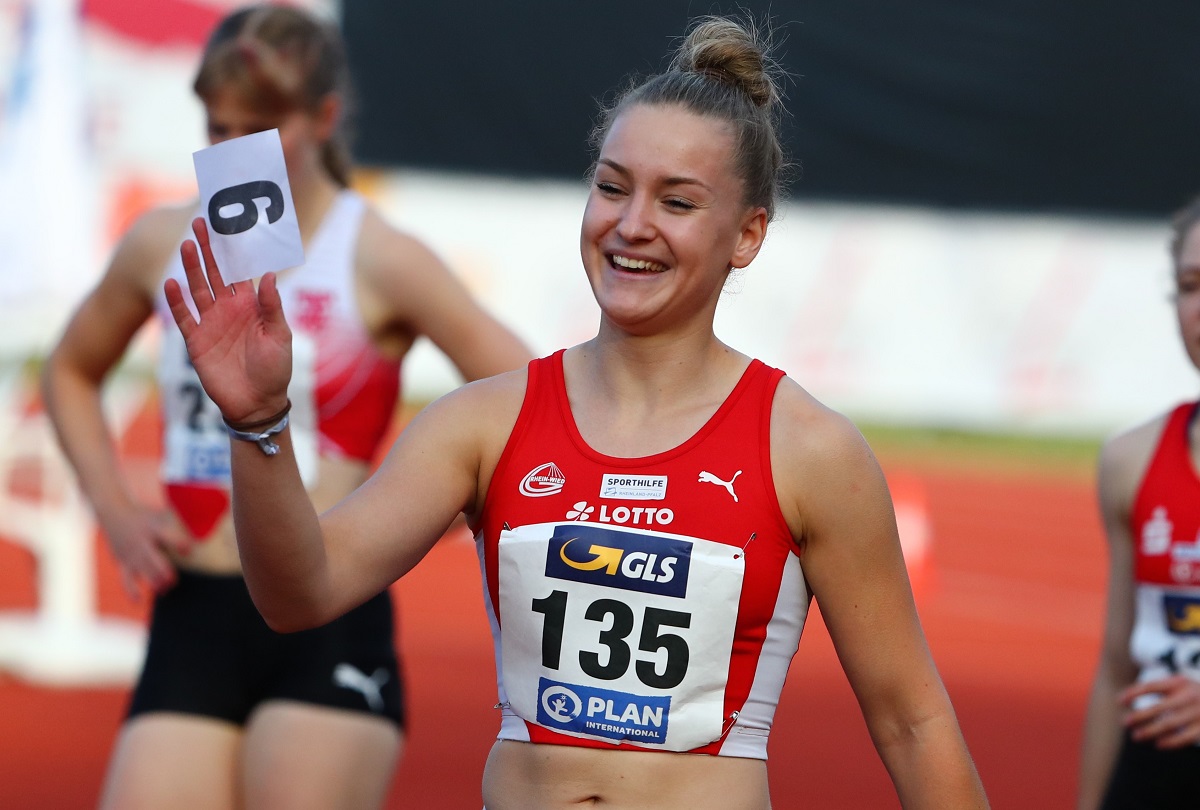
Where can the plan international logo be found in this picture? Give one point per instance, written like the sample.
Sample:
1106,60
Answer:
617,716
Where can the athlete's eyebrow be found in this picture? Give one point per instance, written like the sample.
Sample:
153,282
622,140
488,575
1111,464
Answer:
666,181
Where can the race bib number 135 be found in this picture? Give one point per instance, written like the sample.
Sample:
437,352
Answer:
618,634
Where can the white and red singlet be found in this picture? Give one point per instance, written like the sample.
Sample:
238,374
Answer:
343,391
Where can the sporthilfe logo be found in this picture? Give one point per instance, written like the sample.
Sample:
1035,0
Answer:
546,479
634,487
627,560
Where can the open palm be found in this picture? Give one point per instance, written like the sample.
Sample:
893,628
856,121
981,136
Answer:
241,346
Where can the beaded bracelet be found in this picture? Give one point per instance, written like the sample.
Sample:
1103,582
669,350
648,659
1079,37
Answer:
261,423
249,431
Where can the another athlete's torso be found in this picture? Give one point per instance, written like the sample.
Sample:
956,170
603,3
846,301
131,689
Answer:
343,391
1166,535
650,603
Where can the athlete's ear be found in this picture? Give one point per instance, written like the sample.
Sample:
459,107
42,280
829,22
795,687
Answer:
750,239
327,116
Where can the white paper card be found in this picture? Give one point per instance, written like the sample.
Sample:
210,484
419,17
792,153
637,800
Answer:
247,201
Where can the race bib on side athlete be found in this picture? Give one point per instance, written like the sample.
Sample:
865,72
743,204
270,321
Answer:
618,635
1166,635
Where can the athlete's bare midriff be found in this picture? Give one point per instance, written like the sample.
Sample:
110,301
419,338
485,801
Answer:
218,554
525,776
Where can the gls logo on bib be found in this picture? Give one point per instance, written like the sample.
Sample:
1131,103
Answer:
626,560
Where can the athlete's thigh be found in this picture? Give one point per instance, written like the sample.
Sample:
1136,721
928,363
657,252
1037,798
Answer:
299,755
173,760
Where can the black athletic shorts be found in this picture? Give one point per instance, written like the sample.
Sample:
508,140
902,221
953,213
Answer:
210,653
1146,778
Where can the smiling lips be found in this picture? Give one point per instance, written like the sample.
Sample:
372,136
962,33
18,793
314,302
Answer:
637,264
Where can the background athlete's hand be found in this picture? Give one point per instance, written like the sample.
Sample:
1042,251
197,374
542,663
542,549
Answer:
1171,722
140,540
241,347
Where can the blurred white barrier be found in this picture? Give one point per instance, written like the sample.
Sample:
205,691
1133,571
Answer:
64,641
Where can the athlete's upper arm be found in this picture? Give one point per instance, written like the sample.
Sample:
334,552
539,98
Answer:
1123,462
438,468
105,321
836,500
422,296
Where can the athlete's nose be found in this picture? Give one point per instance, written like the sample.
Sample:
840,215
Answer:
637,220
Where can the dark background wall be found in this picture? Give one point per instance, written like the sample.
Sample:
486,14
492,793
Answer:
1043,105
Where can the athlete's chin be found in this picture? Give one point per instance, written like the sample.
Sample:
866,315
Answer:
630,324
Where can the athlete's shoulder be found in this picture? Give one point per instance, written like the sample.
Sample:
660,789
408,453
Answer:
1134,443
148,245
401,273
1125,459
162,227
487,406
382,247
819,458
802,424
826,475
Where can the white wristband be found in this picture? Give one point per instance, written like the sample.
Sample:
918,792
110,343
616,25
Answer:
263,440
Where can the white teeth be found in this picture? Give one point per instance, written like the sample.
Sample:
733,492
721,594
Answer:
637,264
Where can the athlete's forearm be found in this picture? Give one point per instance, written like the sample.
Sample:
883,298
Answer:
494,350
1101,741
73,404
279,537
931,768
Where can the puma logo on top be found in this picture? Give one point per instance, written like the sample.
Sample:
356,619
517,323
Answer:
351,677
709,478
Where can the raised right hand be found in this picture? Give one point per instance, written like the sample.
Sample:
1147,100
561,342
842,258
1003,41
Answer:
241,346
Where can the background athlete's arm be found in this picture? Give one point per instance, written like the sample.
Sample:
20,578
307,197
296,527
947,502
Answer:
424,298
95,339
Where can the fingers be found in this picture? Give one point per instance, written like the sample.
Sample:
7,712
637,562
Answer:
271,305
129,584
1181,733
174,538
1169,728
153,568
197,285
200,229
1171,722
157,570
179,308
